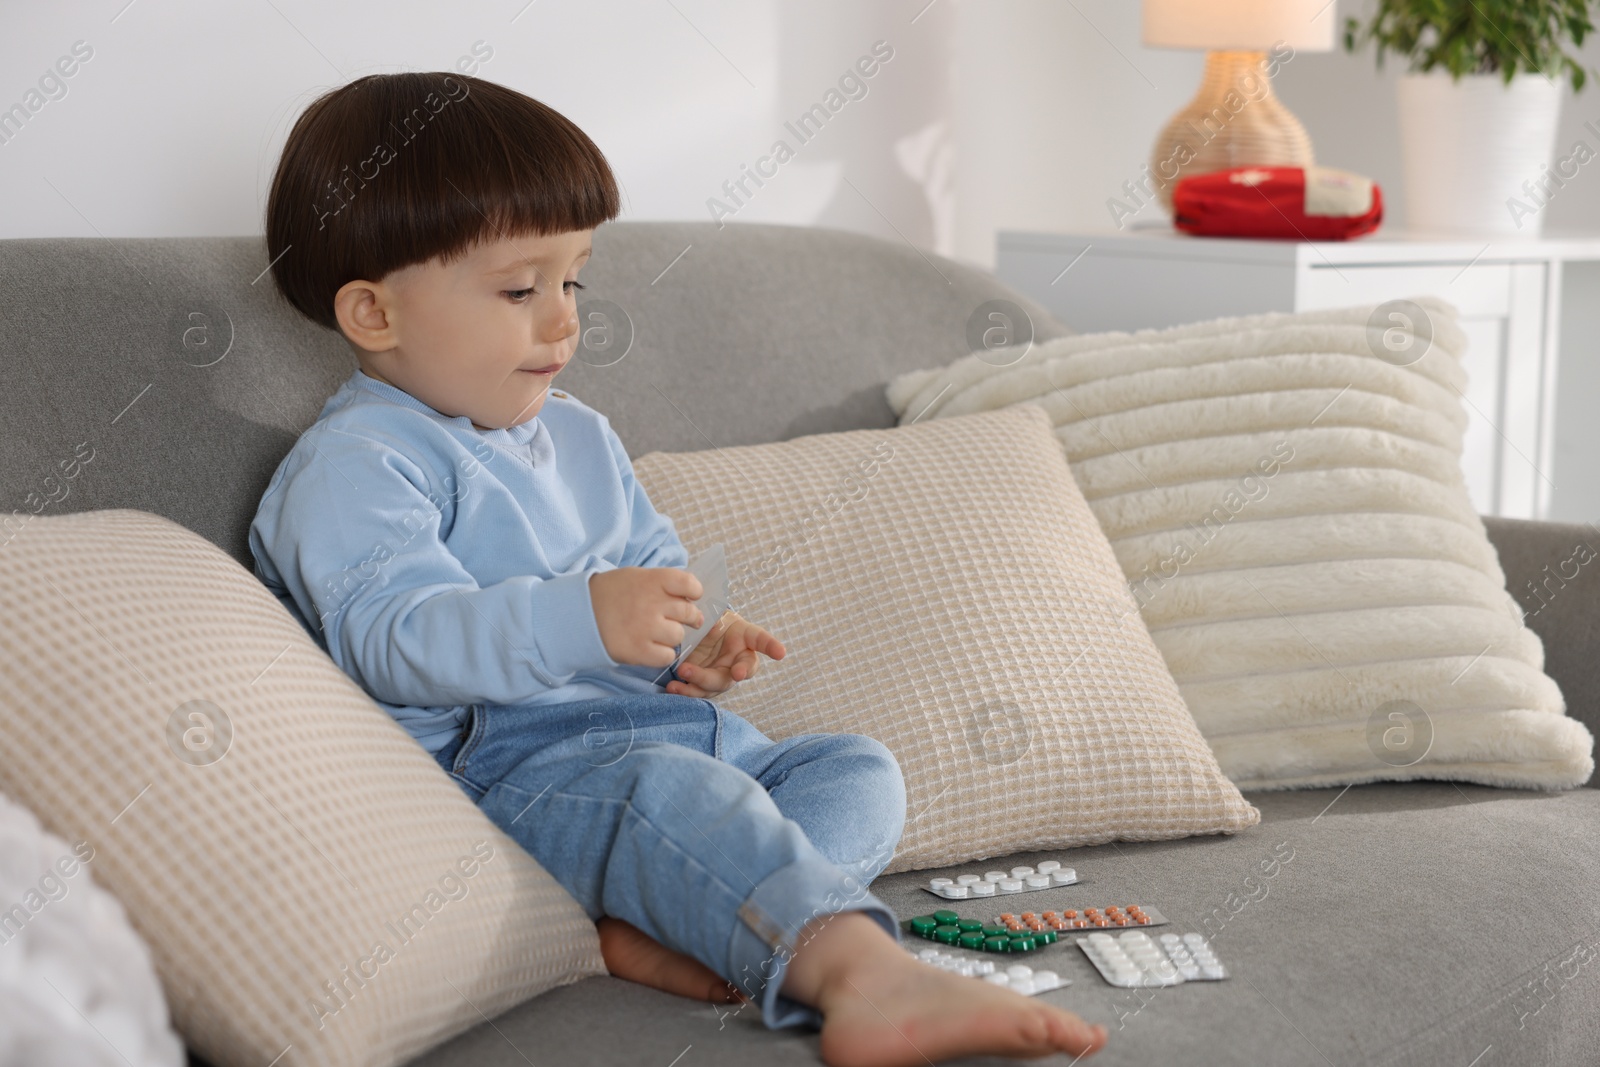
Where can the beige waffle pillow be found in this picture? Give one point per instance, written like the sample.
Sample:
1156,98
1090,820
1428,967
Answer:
945,589
312,886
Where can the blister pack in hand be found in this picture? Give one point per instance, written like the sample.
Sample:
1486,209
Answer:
711,567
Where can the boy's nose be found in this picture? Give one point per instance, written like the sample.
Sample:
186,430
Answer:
560,326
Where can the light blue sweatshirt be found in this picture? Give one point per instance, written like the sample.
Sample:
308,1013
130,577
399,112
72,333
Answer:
442,566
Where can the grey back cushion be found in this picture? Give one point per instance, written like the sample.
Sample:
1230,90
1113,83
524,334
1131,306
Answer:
167,374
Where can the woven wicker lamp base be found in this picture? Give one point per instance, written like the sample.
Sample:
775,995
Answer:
1235,120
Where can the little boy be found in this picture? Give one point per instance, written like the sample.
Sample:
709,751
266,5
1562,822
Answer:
472,547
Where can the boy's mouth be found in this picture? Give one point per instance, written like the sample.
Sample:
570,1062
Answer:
547,370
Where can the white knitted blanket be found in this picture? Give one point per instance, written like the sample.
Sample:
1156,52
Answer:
1290,514
77,985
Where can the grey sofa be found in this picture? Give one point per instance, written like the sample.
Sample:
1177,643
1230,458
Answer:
1410,924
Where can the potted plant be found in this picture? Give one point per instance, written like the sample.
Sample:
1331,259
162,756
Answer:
1479,105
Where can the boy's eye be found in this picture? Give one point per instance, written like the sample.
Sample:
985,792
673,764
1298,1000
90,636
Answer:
519,295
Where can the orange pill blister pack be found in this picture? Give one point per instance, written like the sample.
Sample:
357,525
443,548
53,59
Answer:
1111,917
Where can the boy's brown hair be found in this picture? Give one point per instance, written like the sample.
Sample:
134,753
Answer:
396,169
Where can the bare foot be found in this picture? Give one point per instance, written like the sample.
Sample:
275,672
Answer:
882,1007
632,954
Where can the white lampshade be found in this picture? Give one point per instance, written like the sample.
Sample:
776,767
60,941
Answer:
1241,25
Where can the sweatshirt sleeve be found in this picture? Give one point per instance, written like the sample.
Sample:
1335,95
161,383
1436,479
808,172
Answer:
354,535
652,537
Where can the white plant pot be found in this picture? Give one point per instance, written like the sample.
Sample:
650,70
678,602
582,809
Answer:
1468,146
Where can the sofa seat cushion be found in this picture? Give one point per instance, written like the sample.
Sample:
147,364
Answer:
1413,923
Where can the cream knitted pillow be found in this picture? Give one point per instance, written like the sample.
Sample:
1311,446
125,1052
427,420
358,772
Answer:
305,875
1285,496
945,589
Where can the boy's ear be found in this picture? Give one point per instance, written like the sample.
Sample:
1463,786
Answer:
365,313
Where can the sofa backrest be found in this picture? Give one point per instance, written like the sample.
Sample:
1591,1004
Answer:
168,374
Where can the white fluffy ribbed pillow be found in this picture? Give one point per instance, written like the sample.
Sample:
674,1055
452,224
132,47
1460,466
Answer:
1286,500
304,873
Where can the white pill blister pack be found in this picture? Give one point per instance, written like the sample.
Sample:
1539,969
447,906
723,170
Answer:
1048,875
1133,959
711,567
1018,977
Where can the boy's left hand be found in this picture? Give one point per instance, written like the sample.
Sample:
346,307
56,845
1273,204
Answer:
725,655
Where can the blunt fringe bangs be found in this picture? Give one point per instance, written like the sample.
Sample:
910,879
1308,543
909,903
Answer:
397,169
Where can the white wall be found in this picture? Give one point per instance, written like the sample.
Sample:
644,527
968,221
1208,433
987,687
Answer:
991,114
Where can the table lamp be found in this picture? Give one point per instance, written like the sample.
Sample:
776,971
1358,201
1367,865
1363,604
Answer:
1235,120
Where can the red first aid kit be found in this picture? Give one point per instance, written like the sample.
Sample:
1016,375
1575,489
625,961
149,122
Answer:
1301,203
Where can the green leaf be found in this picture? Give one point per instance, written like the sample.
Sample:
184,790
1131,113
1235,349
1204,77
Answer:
1479,36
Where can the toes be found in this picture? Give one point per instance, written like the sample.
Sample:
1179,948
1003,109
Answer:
721,992
1076,1036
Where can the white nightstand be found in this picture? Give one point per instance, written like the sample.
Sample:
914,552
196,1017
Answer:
1516,298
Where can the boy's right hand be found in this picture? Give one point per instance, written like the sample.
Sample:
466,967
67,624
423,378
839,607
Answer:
642,612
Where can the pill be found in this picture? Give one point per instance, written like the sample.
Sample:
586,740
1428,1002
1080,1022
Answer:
995,876
1049,865
955,892
1024,986
1021,872
997,979
1011,885
983,889
1019,970
939,883
945,915
1038,881
968,879
1063,877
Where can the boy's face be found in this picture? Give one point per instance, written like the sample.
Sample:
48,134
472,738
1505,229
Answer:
483,337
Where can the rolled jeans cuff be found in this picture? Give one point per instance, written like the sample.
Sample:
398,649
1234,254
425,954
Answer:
771,919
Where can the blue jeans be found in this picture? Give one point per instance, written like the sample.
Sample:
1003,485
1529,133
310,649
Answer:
669,813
